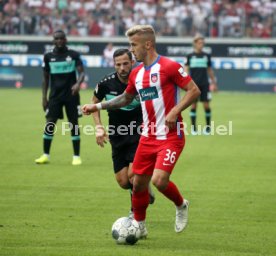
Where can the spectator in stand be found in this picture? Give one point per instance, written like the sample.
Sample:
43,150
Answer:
74,31
93,27
107,25
108,55
235,31
179,17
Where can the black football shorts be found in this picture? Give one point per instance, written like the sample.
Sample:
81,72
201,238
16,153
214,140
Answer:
205,95
122,156
72,108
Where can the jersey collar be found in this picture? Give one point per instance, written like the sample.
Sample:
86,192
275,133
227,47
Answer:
149,67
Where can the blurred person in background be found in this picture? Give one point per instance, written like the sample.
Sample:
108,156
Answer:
60,67
108,55
199,66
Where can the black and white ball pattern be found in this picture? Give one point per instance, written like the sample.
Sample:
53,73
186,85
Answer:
126,231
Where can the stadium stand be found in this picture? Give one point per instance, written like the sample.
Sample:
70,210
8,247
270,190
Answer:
217,18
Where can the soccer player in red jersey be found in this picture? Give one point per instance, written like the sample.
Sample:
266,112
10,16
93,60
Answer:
158,81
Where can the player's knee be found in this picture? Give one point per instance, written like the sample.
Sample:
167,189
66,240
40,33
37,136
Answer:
123,182
139,185
160,183
206,105
136,186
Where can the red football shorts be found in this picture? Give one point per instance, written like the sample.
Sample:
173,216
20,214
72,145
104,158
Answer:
157,154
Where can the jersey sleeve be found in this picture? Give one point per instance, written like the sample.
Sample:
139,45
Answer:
178,76
45,63
100,91
209,61
131,89
78,59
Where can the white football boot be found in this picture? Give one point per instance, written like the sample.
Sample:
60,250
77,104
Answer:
181,218
143,229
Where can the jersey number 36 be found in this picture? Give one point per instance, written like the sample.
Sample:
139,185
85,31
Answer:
170,156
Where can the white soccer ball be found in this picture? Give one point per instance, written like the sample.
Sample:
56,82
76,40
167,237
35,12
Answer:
126,231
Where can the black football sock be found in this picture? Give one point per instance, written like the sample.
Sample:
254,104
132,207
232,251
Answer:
76,145
47,141
75,136
193,119
48,135
208,119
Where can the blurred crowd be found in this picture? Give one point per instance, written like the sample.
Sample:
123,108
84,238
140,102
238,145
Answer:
212,18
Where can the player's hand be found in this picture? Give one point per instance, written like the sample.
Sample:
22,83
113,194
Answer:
44,103
213,87
87,109
75,89
170,119
101,136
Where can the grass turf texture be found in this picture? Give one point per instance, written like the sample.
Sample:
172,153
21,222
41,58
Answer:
60,209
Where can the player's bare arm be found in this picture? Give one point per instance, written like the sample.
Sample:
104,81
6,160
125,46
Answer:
45,86
187,69
212,76
101,136
192,93
120,101
76,87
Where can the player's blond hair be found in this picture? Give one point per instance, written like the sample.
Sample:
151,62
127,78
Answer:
197,37
146,30
141,29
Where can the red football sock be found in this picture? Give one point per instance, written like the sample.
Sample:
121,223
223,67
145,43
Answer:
140,202
173,194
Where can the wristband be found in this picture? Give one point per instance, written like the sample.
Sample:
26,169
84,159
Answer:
99,106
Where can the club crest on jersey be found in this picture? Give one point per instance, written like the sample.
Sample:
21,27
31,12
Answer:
68,59
154,77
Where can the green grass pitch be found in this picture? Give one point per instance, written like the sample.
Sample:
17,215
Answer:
65,210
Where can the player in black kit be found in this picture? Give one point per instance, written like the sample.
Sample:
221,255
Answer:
199,66
124,123
60,66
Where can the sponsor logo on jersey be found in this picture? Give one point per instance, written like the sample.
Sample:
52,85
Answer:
199,62
149,93
154,77
61,67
